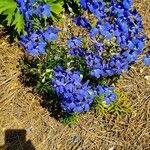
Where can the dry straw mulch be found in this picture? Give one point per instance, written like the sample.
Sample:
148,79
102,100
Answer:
20,109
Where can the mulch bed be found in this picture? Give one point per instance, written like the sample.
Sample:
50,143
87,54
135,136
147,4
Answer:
20,109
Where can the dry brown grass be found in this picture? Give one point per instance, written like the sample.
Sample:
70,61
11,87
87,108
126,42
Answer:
20,109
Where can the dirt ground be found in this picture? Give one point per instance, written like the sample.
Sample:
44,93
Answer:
20,110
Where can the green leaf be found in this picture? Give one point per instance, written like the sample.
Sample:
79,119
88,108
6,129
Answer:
50,2
19,22
10,14
56,8
7,5
70,119
13,17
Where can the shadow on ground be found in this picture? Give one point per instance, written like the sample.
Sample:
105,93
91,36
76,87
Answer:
16,140
30,77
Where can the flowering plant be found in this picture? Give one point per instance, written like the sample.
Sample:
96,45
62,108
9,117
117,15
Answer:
82,69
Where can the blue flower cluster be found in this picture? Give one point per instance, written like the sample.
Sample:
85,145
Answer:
33,9
101,67
74,96
116,20
115,41
36,39
35,42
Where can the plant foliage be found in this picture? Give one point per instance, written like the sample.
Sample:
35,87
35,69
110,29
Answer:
117,109
13,17
56,6
70,119
82,71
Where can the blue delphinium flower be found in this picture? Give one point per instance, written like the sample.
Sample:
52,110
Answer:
104,29
74,95
82,21
93,32
74,42
25,5
76,52
119,20
127,4
95,7
51,33
130,55
99,67
108,92
35,42
43,10
33,9
146,59
26,8
84,4
118,24
94,62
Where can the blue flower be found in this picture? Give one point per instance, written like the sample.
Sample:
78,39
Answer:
131,56
89,58
146,59
131,45
94,31
74,95
25,4
46,10
96,73
76,52
51,33
97,8
108,92
74,42
33,43
33,9
84,4
105,29
82,21
127,4
43,10
117,22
